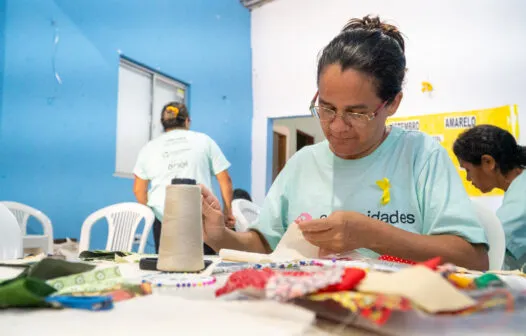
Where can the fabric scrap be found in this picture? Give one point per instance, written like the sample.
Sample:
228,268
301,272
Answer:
425,288
101,255
24,292
285,286
92,281
248,278
376,308
49,268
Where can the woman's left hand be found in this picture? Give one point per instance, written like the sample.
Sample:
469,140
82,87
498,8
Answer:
342,231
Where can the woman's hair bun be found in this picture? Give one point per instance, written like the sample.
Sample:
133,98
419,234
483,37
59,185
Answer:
373,23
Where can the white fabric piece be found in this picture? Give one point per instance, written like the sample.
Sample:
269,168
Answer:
292,246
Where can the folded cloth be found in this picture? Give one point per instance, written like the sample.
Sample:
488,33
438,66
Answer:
91,281
29,289
53,268
24,292
102,255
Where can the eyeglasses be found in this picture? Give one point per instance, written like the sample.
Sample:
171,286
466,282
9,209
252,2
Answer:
350,118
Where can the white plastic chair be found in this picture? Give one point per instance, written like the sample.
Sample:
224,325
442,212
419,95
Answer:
495,234
245,213
22,213
123,220
10,235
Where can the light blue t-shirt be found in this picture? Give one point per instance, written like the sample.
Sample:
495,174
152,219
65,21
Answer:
427,195
512,215
178,154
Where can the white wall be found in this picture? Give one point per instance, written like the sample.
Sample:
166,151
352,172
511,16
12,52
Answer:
289,126
472,51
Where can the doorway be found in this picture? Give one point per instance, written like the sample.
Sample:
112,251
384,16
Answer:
279,154
303,139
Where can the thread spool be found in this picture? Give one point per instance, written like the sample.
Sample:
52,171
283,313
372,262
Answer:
181,245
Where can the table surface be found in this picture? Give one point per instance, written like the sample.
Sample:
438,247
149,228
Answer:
193,311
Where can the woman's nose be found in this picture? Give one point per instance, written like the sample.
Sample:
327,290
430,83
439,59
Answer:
338,125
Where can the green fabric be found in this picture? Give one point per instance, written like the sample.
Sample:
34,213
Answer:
92,281
24,292
29,289
488,280
102,255
53,268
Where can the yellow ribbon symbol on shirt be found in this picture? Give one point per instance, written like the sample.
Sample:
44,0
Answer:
173,109
384,185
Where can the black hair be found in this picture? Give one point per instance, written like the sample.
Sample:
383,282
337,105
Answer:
490,140
372,47
242,194
169,121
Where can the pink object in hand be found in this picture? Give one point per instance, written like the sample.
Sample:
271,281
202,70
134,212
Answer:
303,217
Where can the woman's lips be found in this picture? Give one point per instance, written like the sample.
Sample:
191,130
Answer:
342,138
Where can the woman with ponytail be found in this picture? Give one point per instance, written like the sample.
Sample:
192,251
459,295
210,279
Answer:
179,153
493,160
369,187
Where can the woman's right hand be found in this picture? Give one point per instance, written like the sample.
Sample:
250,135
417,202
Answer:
213,218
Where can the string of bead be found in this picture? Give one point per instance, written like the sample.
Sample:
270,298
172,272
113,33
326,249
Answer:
182,283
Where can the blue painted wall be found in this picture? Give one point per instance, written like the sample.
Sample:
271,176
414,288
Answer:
57,141
2,53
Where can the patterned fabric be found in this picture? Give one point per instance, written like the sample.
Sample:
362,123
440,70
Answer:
249,278
376,308
351,277
494,299
29,288
92,281
285,286
396,259
120,292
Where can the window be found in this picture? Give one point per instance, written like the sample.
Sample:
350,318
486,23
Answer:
142,94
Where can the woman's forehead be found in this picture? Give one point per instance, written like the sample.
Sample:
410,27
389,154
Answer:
349,87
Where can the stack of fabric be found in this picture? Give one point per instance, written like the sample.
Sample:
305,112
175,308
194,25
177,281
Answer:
56,283
348,294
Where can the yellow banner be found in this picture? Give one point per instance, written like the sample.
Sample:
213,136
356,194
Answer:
446,127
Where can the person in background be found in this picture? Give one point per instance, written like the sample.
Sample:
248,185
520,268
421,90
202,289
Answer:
179,153
372,188
493,159
242,194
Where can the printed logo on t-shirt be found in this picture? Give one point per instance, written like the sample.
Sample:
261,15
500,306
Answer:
168,154
171,141
178,164
396,217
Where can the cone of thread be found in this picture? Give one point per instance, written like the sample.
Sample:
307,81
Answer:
181,245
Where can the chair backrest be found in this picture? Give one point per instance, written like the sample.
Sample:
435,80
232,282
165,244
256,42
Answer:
123,220
10,235
245,213
495,234
22,213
